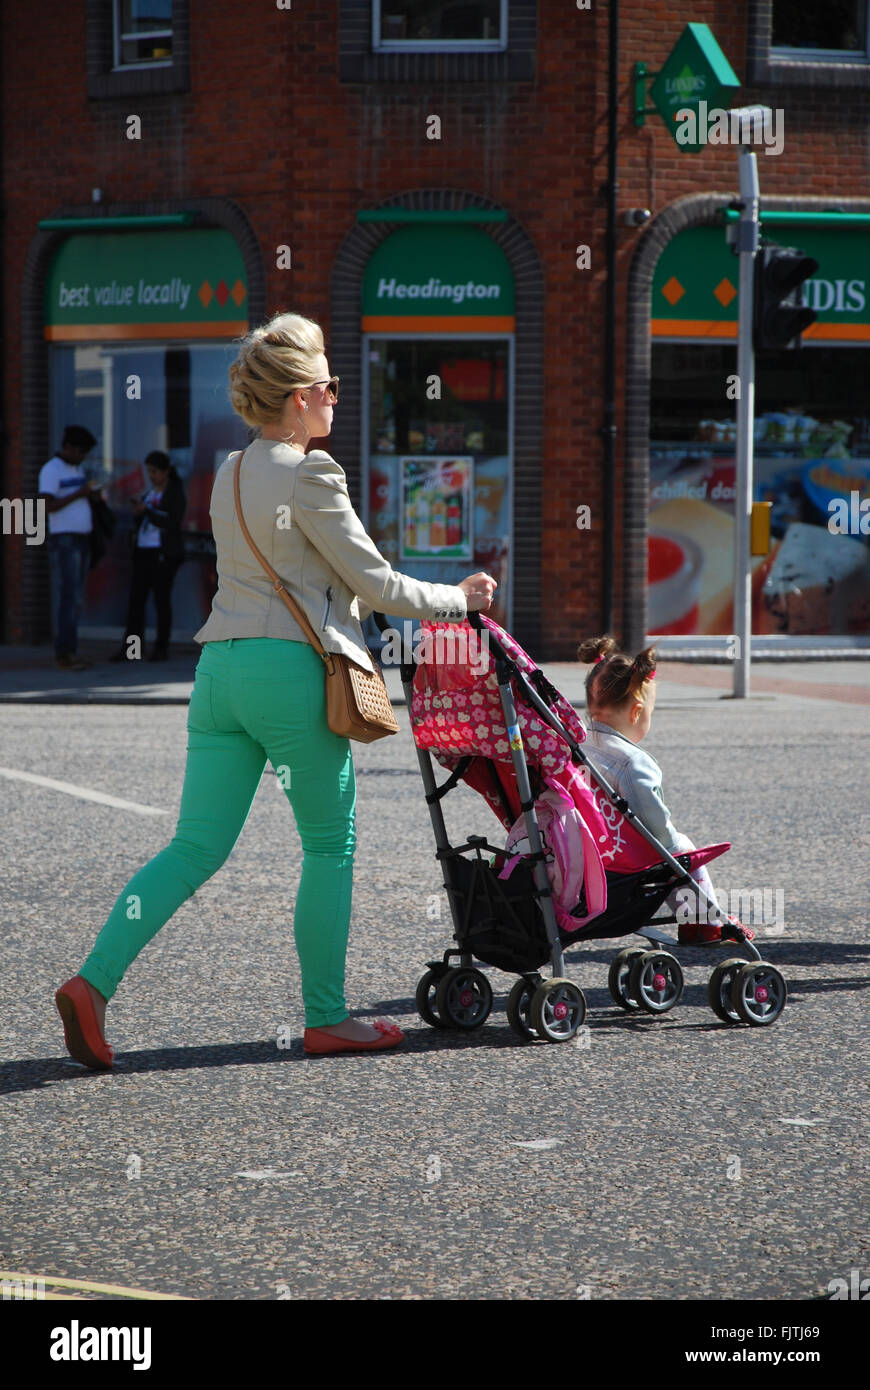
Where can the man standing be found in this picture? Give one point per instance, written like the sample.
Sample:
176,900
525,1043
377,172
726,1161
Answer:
65,491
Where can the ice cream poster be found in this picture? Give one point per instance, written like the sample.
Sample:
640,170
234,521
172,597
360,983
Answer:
436,507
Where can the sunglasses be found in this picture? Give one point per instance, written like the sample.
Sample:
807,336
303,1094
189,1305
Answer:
331,385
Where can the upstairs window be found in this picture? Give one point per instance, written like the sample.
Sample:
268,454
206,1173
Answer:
439,25
143,33
834,30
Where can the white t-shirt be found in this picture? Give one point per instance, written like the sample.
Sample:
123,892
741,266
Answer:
57,478
149,534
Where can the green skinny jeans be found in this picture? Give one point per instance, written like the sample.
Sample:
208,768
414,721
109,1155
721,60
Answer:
253,699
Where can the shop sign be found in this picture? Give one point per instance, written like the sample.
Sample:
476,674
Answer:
695,285
696,77
160,284
438,278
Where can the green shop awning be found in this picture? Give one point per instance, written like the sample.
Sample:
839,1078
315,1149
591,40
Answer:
437,279
694,292
159,284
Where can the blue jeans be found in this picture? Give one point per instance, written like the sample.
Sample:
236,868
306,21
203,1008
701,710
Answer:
69,554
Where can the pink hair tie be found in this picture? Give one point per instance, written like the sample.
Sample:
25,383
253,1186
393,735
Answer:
597,659
651,675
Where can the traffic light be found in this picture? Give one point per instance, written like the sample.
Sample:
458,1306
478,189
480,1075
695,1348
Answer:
780,318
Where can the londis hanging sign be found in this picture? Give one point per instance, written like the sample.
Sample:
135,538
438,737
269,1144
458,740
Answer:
697,80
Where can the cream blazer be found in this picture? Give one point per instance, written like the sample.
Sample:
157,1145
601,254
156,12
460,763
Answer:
299,512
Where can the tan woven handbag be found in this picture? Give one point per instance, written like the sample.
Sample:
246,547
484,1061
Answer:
357,703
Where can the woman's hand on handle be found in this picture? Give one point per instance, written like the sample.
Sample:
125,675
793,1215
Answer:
479,590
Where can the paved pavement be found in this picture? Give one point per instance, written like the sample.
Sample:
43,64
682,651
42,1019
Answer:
672,1158
29,674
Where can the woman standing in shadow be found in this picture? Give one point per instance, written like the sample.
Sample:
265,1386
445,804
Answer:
157,552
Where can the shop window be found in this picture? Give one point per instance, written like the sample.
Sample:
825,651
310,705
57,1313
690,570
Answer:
143,32
812,462
439,24
819,45
136,47
439,500
184,410
413,41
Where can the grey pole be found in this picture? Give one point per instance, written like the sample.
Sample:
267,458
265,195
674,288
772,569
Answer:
747,245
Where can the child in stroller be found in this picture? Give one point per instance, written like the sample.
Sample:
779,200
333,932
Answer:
620,699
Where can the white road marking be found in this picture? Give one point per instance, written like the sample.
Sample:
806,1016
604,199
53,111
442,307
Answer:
84,793
267,1173
535,1143
799,1122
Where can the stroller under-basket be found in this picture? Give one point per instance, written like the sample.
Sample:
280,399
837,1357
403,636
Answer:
489,716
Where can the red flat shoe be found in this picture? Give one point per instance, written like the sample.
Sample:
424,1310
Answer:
317,1042
81,1031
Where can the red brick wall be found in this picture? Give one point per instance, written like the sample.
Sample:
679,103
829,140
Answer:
268,123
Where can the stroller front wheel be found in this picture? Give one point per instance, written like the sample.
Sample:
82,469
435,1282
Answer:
758,993
557,1010
719,989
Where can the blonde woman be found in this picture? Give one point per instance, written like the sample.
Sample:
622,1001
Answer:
259,690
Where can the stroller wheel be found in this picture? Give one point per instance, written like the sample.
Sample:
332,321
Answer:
719,989
619,976
758,993
557,1010
425,998
656,981
463,998
517,1009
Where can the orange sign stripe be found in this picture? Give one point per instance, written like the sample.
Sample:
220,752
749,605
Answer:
720,328
87,332
438,323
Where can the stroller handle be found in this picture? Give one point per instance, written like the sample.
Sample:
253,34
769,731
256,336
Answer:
382,624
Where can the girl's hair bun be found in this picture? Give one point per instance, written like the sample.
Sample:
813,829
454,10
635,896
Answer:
615,677
594,648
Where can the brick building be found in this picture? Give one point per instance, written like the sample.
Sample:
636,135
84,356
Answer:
419,177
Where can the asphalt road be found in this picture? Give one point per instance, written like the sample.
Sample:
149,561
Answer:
672,1158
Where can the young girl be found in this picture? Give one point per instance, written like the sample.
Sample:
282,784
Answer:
620,699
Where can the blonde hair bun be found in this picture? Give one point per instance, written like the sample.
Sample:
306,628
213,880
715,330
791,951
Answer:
274,359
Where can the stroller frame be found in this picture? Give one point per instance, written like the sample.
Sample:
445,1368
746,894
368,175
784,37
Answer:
555,1009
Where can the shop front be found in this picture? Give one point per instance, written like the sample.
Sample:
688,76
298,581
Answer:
139,327
437,333
812,444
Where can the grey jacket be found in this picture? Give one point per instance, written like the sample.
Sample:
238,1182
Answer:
299,513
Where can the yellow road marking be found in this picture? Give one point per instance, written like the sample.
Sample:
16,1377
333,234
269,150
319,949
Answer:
88,1287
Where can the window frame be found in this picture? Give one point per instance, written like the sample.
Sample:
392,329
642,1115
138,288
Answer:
784,66
106,79
380,45
119,38
792,54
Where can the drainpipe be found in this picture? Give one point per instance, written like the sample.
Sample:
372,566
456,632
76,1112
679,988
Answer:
608,429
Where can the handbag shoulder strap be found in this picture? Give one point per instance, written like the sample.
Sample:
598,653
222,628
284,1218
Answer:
277,582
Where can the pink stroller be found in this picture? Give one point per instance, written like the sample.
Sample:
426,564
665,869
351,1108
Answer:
492,719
